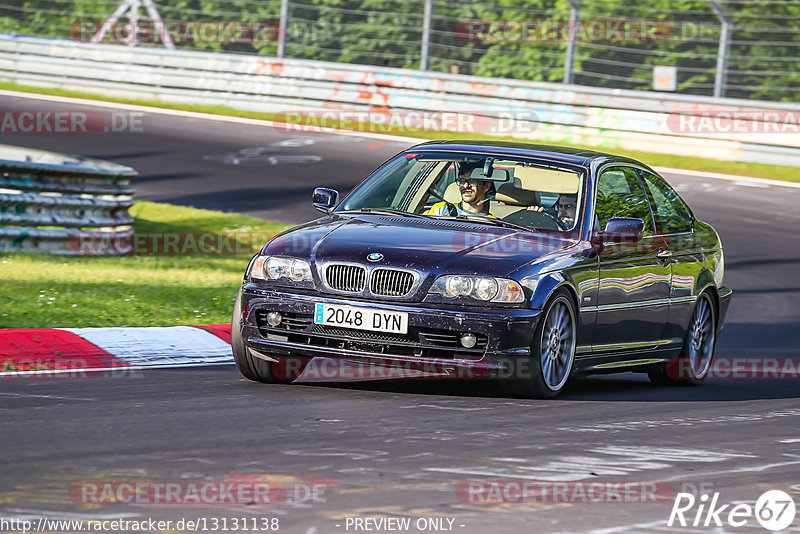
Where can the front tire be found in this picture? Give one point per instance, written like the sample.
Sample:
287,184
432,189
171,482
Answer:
694,362
552,352
253,368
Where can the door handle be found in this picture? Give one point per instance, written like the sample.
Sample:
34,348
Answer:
663,254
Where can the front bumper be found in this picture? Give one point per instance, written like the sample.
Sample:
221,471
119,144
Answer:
431,345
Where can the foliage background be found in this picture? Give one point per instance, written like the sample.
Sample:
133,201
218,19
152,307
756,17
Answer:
764,59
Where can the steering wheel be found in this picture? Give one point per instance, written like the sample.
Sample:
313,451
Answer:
536,219
451,208
561,224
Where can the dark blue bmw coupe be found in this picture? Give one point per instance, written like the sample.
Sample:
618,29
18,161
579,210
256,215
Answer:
524,263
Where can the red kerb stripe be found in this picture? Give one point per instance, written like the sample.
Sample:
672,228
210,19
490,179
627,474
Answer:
47,348
222,331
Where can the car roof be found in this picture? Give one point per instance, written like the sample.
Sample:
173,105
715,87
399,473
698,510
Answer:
561,154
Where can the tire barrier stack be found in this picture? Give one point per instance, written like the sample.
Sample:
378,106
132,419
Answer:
56,204
610,119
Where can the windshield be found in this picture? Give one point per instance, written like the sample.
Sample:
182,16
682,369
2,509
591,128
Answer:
532,194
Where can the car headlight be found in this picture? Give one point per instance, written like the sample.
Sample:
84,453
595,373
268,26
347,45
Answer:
458,286
485,288
256,270
300,271
277,267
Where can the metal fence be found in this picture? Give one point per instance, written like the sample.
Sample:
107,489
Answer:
733,48
545,112
62,204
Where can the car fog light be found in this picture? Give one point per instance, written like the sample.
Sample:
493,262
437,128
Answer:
274,318
468,340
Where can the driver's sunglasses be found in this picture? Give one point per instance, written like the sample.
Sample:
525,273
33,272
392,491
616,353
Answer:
564,206
466,181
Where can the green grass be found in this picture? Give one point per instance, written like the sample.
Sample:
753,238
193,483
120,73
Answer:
44,291
775,172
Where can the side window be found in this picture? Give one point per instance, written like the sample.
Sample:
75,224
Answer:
620,194
448,177
670,211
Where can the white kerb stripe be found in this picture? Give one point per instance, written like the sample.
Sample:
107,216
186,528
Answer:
153,346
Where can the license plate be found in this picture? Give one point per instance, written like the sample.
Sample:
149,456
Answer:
361,318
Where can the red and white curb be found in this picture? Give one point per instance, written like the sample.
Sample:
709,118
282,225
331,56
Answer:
68,352
41,351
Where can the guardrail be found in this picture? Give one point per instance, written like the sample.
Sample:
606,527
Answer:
54,203
543,112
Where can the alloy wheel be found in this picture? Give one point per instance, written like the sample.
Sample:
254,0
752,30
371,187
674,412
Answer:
557,348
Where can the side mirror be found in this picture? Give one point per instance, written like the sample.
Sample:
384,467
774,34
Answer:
325,199
619,229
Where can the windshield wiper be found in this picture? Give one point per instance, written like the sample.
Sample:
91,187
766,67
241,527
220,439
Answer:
470,218
389,211
491,221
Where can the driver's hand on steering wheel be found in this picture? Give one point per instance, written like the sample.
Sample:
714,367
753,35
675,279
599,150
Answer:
535,208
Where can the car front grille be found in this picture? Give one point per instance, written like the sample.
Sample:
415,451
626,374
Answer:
300,328
383,281
346,278
391,282
335,331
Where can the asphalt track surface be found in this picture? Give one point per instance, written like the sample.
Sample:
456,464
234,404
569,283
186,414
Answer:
403,449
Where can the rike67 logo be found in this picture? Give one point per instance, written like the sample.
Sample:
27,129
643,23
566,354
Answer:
774,510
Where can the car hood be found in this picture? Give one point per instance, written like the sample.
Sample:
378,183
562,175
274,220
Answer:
427,246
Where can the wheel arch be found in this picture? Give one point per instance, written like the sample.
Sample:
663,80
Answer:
712,290
546,286
706,282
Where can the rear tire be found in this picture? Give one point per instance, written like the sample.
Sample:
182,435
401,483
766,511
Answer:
253,368
552,352
691,367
